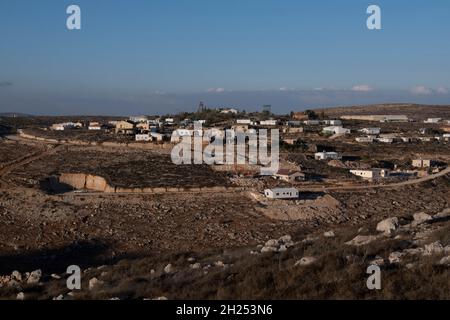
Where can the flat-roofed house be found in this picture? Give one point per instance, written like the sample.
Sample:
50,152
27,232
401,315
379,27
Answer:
137,119
336,130
270,122
327,155
94,126
364,139
281,193
290,175
143,137
371,174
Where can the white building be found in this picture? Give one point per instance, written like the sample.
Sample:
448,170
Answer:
372,174
336,130
371,130
270,122
281,193
137,119
64,126
227,111
311,122
243,121
433,120
327,155
143,137
289,175
332,122
94,126
386,140
365,139
394,118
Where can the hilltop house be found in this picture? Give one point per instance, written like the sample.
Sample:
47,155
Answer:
124,127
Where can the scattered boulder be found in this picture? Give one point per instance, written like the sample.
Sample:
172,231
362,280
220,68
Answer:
277,245
195,266
168,268
443,214
34,277
378,261
360,240
220,264
20,296
414,251
433,248
388,225
16,275
94,282
329,234
445,261
305,261
421,217
395,257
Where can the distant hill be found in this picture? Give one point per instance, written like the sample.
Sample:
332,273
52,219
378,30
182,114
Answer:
14,115
413,111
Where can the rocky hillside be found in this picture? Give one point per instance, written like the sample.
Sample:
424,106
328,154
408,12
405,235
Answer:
413,252
413,111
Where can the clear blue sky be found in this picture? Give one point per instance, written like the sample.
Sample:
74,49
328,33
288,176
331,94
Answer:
155,56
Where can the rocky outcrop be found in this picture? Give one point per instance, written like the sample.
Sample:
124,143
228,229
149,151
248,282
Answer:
97,183
388,225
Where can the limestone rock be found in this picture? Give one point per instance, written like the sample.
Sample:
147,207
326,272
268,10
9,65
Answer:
168,268
421,217
388,225
94,282
329,234
360,240
395,257
305,261
34,277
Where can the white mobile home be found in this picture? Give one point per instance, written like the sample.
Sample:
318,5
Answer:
336,130
371,173
281,193
327,155
143,137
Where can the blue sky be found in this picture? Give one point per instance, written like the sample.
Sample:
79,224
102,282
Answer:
159,56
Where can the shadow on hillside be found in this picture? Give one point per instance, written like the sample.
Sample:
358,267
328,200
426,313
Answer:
56,260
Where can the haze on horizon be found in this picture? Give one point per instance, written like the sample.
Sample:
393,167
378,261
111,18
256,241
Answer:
157,57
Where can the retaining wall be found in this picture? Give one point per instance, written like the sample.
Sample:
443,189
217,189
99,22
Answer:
97,183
